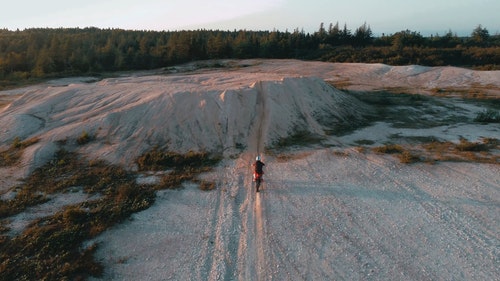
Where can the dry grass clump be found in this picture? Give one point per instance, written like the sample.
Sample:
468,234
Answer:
11,155
405,156
207,185
464,151
408,157
184,167
388,149
84,138
157,159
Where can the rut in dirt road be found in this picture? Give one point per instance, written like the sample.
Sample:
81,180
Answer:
237,226
255,257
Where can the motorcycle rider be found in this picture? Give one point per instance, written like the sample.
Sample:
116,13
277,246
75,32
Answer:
258,169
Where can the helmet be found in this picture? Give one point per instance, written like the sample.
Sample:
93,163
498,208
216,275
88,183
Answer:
258,158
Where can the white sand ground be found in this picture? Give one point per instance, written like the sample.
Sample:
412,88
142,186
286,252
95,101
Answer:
328,213
319,217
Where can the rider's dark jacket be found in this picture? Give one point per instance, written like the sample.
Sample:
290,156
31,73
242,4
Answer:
258,167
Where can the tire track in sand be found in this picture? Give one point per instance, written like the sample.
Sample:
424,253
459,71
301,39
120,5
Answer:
262,117
223,230
251,244
235,230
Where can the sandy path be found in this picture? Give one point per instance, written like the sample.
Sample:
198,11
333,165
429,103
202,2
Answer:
252,251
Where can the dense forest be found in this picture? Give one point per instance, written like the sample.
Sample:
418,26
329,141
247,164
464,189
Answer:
37,53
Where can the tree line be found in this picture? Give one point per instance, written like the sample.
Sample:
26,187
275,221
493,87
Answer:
47,52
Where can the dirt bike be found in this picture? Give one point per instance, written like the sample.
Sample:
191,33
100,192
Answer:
257,178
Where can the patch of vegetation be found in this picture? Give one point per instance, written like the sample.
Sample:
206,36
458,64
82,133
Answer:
407,157
388,149
240,146
286,157
464,151
50,248
466,145
84,138
299,138
11,155
488,116
412,111
207,185
184,167
157,159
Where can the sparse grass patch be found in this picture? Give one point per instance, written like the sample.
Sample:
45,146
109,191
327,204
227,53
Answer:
404,155
408,157
465,145
286,157
207,185
185,167
463,151
414,111
11,155
360,149
340,153
50,248
475,91
299,138
488,116
388,149
84,138
157,159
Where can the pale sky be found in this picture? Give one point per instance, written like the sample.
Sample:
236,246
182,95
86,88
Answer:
383,16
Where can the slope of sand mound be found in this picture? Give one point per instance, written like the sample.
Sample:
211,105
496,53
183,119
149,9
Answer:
214,112
195,107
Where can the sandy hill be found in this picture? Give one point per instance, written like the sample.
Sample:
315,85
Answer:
209,111
206,109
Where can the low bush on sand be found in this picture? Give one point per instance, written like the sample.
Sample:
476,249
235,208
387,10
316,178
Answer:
488,116
84,138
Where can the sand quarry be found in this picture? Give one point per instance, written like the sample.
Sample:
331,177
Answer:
330,209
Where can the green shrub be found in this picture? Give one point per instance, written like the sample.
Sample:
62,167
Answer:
84,138
488,116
